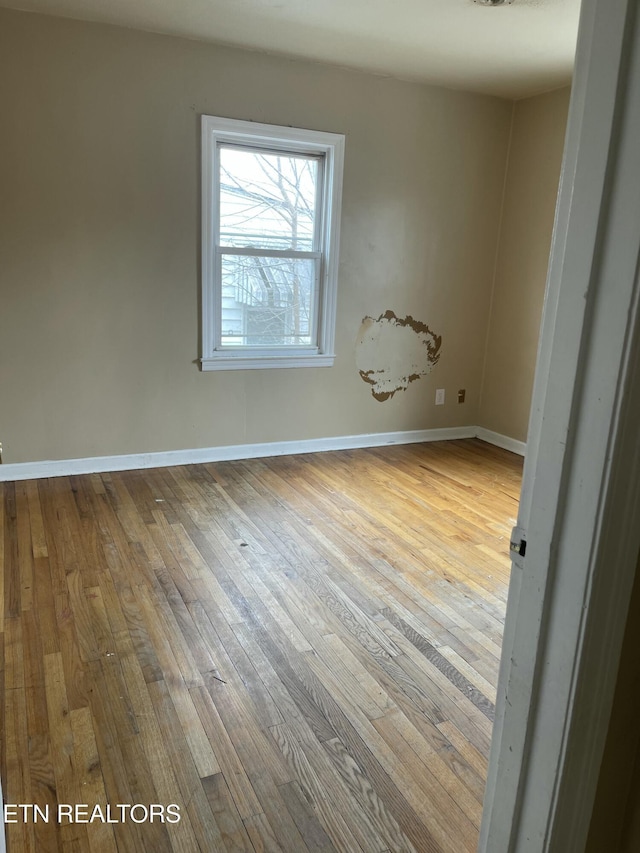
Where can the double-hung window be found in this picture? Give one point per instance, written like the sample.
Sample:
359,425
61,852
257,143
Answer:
271,223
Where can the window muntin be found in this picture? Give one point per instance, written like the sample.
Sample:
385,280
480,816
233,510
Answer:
271,209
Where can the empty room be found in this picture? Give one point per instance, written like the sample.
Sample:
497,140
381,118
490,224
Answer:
271,287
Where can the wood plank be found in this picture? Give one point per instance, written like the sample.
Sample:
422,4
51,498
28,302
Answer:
62,746
89,776
451,828
244,796
331,799
183,762
232,831
43,784
11,567
20,832
3,562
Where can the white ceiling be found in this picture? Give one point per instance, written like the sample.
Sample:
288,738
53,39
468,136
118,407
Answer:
512,50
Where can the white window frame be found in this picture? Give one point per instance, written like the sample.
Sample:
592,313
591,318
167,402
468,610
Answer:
329,147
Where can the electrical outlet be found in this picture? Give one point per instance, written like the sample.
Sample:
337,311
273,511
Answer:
440,397
461,395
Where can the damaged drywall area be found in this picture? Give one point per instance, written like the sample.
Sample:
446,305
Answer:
392,352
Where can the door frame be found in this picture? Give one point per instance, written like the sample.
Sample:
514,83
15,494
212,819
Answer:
580,504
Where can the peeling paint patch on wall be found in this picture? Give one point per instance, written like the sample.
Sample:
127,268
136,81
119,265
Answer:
392,352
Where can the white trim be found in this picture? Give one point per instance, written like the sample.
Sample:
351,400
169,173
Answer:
569,595
503,441
228,361
163,459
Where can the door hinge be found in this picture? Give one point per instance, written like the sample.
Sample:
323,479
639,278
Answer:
518,543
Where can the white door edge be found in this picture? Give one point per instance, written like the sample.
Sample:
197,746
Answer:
581,491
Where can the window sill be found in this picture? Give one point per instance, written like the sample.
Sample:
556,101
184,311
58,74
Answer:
226,362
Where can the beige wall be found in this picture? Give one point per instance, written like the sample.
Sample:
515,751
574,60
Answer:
521,268
99,238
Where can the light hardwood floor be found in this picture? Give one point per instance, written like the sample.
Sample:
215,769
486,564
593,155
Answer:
301,652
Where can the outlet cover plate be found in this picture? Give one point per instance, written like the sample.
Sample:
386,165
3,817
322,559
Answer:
440,397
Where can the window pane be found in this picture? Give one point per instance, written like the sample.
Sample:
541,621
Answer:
267,201
267,301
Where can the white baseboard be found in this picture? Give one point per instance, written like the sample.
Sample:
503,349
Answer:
163,459
503,441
